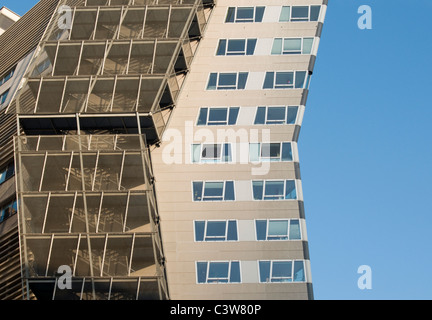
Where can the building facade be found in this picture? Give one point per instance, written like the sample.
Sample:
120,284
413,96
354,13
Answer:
155,149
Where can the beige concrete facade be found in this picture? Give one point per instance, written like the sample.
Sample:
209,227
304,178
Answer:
175,172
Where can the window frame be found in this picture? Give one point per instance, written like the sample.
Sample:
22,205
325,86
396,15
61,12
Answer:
225,87
4,96
223,238
230,111
249,44
293,268
276,122
297,52
261,158
216,198
254,19
7,76
308,19
13,205
288,234
220,159
217,280
294,85
281,198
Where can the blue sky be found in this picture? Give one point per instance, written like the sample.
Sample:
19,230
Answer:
366,152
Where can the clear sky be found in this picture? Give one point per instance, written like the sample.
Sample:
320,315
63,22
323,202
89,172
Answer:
366,151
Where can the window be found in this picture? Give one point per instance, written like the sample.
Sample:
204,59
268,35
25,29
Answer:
211,153
285,80
218,272
7,76
281,271
216,230
41,67
292,46
274,190
278,230
276,115
245,14
218,116
7,173
213,191
299,13
236,47
8,211
3,97
259,152
227,81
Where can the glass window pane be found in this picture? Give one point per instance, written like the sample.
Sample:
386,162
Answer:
294,231
292,115
307,45
284,79
292,45
260,115
197,191
227,81
218,272
261,230
232,231
222,48
202,119
281,271
236,47
230,14
229,191
299,274
300,13
245,14
213,190
243,76
211,151
271,150
227,155
315,11
290,192
251,45
212,82
2,176
233,115
254,152
276,115
278,229
258,189
274,190
196,150
264,269
235,272
218,116
269,80
287,152
202,272
259,14
215,229
285,14
277,46
199,230
300,79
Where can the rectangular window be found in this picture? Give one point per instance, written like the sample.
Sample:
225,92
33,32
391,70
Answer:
218,272
270,230
285,80
282,271
218,116
8,210
244,14
299,13
274,190
3,97
292,46
277,151
216,230
236,47
276,115
227,81
211,153
7,76
213,191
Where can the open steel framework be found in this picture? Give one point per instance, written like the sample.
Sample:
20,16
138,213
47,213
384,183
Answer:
96,96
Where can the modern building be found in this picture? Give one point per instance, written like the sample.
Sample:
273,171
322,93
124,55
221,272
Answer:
7,18
149,149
